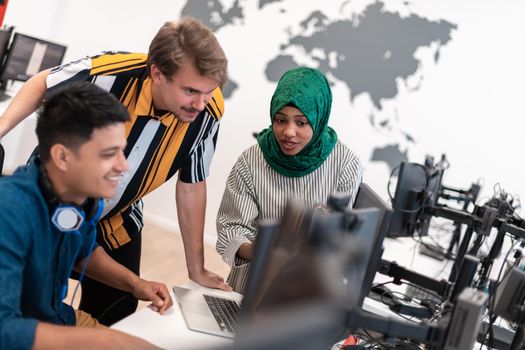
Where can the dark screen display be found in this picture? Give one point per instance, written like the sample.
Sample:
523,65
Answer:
412,182
368,198
5,35
29,55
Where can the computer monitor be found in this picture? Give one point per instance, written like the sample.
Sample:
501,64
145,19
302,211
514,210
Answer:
29,55
266,233
368,198
360,229
291,257
285,270
298,265
417,187
432,195
5,36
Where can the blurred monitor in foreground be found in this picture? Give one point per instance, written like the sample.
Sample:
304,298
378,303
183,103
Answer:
308,276
368,198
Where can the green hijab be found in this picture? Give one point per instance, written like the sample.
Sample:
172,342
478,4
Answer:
309,91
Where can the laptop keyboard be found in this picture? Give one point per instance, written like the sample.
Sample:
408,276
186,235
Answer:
225,312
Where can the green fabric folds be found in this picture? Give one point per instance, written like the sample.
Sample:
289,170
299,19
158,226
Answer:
309,91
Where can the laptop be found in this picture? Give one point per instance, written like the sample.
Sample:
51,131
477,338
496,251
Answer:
208,313
219,315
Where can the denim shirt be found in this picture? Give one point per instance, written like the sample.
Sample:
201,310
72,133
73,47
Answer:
36,260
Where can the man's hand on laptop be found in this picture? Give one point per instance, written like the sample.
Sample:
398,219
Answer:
155,292
210,280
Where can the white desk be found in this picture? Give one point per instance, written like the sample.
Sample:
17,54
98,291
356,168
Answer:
169,331
405,251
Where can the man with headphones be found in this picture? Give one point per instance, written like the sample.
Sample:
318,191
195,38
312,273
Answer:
49,210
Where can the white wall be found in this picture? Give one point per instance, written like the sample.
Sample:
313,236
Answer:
33,17
88,27
469,105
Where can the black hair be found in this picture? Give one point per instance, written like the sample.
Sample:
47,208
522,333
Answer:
70,114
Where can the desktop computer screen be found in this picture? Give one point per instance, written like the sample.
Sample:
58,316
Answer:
29,55
5,36
356,233
308,254
368,198
433,189
284,270
302,262
417,187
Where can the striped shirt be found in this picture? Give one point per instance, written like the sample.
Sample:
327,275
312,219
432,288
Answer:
157,145
255,192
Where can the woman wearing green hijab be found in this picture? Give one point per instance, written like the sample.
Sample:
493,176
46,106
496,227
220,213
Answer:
298,156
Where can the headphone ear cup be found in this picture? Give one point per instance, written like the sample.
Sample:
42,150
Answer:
65,217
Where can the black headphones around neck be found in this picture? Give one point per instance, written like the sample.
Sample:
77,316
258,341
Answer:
67,217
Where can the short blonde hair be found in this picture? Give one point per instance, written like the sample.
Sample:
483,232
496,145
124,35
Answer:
188,39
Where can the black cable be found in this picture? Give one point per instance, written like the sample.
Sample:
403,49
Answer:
393,303
436,246
389,182
478,242
382,284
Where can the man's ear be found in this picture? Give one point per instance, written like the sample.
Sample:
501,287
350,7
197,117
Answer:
155,72
60,155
